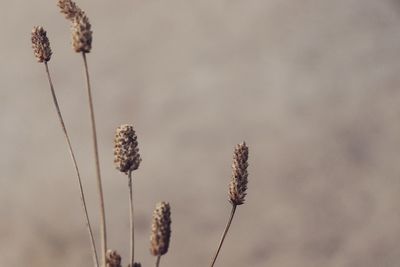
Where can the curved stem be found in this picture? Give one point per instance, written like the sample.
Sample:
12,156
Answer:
103,232
131,217
224,234
158,261
71,152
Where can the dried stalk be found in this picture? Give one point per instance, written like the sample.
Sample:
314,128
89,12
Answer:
82,195
158,261
224,235
131,217
103,232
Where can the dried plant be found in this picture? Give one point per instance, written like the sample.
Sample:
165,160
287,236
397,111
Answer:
82,42
237,187
113,259
127,159
160,230
42,50
97,162
126,153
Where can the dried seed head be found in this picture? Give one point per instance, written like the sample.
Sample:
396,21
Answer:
160,229
136,264
41,44
81,33
238,185
69,9
113,259
126,151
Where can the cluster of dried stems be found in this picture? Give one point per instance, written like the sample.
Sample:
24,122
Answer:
126,154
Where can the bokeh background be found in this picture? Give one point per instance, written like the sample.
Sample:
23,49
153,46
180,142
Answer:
312,86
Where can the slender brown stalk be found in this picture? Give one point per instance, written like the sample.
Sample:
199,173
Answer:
224,234
158,261
131,218
71,152
103,232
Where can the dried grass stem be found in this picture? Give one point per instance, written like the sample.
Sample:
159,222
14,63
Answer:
82,195
103,232
158,261
131,219
224,234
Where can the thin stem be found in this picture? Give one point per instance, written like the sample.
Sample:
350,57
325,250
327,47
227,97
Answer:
103,232
224,234
71,152
131,217
158,261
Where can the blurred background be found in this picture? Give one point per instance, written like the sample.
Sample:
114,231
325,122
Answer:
312,86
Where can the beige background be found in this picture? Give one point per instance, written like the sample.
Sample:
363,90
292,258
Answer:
312,86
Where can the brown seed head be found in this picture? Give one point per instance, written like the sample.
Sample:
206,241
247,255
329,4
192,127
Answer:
238,185
136,264
126,151
40,44
81,33
69,9
160,229
113,259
